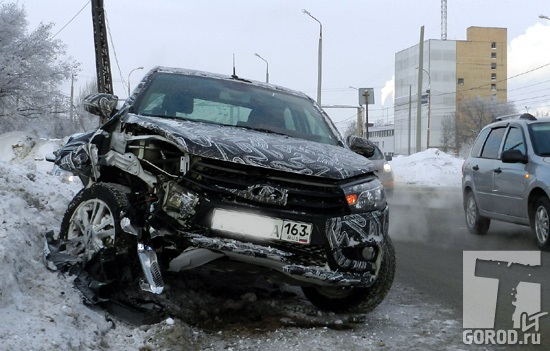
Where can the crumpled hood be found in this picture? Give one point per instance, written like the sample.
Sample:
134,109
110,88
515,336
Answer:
271,151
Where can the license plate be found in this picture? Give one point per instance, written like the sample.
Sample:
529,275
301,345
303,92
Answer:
261,226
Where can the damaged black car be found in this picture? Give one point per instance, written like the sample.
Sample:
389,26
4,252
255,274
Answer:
198,169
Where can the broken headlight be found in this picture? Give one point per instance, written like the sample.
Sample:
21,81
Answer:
179,202
365,196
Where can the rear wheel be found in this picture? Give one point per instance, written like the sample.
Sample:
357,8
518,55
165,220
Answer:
364,299
474,221
541,223
92,220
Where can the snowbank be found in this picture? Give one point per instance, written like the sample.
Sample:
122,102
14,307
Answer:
428,168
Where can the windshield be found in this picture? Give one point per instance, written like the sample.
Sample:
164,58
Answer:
233,103
540,137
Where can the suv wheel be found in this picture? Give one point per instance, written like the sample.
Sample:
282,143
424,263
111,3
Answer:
474,221
92,220
345,299
541,223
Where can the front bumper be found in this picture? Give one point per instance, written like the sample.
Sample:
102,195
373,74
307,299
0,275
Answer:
346,238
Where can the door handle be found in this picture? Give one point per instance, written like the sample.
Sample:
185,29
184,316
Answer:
475,168
497,170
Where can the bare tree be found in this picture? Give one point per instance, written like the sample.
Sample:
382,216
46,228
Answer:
448,136
30,72
470,118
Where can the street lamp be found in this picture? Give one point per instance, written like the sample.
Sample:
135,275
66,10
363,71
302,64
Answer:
129,78
266,68
544,17
320,64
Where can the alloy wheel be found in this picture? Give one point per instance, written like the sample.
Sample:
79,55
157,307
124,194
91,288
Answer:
542,224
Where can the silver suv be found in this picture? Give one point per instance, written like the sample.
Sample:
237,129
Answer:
506,177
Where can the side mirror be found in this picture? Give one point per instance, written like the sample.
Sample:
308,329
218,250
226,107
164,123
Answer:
100,104
362,146
513,156
389,158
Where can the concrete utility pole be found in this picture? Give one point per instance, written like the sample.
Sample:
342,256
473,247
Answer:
410,119
360,121
419,92
103,65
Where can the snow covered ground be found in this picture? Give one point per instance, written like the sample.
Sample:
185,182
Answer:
41,310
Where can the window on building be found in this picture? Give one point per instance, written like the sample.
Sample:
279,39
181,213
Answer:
493,87
493,65
460,81
493,76
493,45
493,55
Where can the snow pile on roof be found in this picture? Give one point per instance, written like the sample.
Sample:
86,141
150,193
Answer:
428,168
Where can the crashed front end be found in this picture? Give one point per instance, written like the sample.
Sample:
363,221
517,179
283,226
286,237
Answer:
177,181
311,230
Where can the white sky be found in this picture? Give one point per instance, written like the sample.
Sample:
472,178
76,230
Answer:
360,39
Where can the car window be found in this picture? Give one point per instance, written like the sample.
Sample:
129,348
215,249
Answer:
540,138
514,140
476,149
492,144
233,103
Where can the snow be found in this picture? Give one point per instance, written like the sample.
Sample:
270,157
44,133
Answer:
41,310
428,168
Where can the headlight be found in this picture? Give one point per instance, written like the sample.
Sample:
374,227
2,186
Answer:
366,196
387,168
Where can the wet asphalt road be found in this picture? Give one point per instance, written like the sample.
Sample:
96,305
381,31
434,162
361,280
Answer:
430,235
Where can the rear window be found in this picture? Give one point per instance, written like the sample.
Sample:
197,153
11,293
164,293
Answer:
492,144
476,150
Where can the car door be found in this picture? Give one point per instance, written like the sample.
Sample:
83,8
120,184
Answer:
510,179
483,169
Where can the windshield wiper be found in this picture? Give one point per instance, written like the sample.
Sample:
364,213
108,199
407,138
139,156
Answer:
264,130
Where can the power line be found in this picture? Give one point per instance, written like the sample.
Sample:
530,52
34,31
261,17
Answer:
78,13
113,46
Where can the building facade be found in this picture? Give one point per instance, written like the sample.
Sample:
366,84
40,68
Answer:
453,72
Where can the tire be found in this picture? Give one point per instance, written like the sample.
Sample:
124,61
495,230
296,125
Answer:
476,223
357,299
92,220
540,223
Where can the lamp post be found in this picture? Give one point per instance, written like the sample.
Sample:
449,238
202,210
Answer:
544,17
320,56
129,78
266,68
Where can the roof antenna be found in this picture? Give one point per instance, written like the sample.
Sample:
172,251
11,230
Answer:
234,74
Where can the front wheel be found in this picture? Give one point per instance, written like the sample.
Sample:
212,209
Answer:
541,223
474,221
365,299
92,220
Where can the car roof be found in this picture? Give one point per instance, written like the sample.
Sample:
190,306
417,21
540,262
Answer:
521,118
191,72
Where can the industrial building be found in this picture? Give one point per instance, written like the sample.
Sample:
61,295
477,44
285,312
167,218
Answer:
453,71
